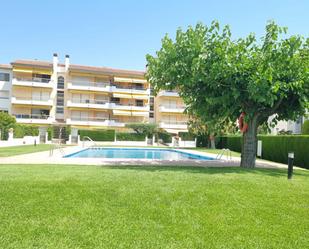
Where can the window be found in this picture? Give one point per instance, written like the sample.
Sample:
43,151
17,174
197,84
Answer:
151,108
60,110
60,83
4,77
44,78
115,100
4,94
151,115
139,102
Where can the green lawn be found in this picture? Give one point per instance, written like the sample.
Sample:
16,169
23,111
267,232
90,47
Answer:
152,207
23,149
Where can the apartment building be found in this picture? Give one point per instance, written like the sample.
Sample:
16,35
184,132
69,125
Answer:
169,112
58,94
5,88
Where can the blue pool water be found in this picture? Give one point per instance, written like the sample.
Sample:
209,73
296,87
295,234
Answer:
137,153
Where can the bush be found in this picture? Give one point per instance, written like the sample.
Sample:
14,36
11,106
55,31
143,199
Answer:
305,128
21,130
130,137
98,135
164,136
230,142
6,122
276,147
186,136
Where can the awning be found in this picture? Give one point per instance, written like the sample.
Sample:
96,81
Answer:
122,113
34,70
129,96
143,114
130,80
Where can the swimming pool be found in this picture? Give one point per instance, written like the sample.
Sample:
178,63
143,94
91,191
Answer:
136,153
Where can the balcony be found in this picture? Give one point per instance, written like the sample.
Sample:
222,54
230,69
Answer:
32,101
120,106
96,104
129,89
172,109
89,86
97,121
181,125
168,93
32,82
33,119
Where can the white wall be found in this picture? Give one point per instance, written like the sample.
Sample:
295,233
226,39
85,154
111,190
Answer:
6,91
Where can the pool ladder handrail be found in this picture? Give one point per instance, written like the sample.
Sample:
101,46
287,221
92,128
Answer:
55,146
90,140
227,152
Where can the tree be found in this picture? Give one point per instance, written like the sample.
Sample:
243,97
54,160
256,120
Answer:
6,122
220,78
143,128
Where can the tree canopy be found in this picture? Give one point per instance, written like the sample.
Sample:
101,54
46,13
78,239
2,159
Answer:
219,78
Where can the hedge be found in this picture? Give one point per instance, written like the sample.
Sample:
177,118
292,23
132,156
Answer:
164,136
130,137
21,130
98,135
186,136
305,128
276,148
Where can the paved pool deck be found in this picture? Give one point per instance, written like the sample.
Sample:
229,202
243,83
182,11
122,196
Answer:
57,158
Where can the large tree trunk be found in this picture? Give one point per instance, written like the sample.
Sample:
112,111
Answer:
212,141
249,144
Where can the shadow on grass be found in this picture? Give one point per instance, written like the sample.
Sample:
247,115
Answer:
210,170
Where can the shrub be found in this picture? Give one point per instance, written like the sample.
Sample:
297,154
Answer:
6,122
276,147
130,137
305,128
21,130
164,136
186,136
98,135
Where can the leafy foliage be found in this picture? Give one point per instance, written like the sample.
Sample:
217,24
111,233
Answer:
143,128
21,130
218,78
123,136
6,122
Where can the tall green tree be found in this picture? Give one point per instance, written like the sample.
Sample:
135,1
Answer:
143,128
219,78
6,122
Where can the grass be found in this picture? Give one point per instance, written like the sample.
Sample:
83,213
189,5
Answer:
23,149
152,207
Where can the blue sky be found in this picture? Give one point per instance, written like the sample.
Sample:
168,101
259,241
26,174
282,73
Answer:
120,33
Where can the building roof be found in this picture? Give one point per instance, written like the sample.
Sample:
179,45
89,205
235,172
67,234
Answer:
106,70
80,68
32,63
5,66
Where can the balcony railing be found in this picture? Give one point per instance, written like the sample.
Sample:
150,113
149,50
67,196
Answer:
89,101
33,79
89,119
31,116
142,88
90,84
32,99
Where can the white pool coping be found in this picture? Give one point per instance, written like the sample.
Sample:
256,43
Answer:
57,158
